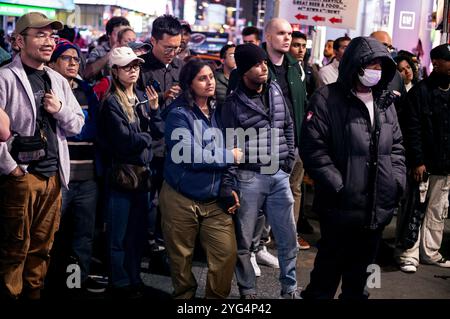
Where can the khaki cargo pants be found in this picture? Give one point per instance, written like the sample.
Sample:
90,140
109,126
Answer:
29,217
182,220
427,247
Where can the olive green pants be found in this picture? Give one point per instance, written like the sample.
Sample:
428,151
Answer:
182,221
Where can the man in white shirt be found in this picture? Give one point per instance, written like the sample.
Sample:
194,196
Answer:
329,73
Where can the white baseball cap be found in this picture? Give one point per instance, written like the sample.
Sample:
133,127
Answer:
123,56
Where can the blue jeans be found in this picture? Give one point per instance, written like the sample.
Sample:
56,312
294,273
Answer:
81,200
126,227
272,194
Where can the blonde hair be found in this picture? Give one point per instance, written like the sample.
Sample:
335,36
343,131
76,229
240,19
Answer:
118,91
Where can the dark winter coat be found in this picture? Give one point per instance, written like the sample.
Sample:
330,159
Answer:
358,169
427,120
297,90
125,142
240,111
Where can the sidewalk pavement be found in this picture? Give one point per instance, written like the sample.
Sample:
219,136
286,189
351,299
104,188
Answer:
394,284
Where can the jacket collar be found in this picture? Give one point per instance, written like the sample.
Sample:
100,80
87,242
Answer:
245,100
16,67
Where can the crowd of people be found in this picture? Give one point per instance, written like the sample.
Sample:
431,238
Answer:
158,146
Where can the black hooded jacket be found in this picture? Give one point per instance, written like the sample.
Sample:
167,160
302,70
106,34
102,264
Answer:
358,169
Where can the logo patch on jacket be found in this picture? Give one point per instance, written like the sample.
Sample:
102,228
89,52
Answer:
309,116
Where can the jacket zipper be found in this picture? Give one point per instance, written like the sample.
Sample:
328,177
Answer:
375,181
373,165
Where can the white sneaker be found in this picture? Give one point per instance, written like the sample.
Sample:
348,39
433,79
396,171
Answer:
263,257
408,267
256,268
441,263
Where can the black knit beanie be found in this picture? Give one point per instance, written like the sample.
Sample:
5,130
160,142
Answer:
441,52
248,55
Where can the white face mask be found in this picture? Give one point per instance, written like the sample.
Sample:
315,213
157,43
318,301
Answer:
370,77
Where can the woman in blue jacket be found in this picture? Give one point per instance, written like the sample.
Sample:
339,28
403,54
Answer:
193,169
128,122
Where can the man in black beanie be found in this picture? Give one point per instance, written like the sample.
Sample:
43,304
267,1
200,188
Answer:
262,178
427,146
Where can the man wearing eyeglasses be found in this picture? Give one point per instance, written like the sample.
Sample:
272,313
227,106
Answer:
35,163
161,68
79,202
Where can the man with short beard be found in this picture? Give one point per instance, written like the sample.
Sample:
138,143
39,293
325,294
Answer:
259,106
328,53
329,73
43,109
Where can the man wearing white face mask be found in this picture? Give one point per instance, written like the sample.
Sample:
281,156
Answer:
351,148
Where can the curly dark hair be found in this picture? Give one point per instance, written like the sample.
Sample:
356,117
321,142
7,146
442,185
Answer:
408,59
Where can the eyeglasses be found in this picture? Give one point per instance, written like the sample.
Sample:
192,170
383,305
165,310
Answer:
128,68
42,36
68,58
169,50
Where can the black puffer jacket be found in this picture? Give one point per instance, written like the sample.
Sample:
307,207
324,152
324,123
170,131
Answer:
358,168
428,126
239,111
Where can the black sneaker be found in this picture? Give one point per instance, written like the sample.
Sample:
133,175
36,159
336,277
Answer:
94,286
127,292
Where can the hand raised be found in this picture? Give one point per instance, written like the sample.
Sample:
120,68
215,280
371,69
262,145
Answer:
51,102
152,97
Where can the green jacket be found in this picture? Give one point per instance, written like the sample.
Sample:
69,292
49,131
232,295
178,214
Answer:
296,88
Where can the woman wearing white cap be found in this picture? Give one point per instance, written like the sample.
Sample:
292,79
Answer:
128,122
